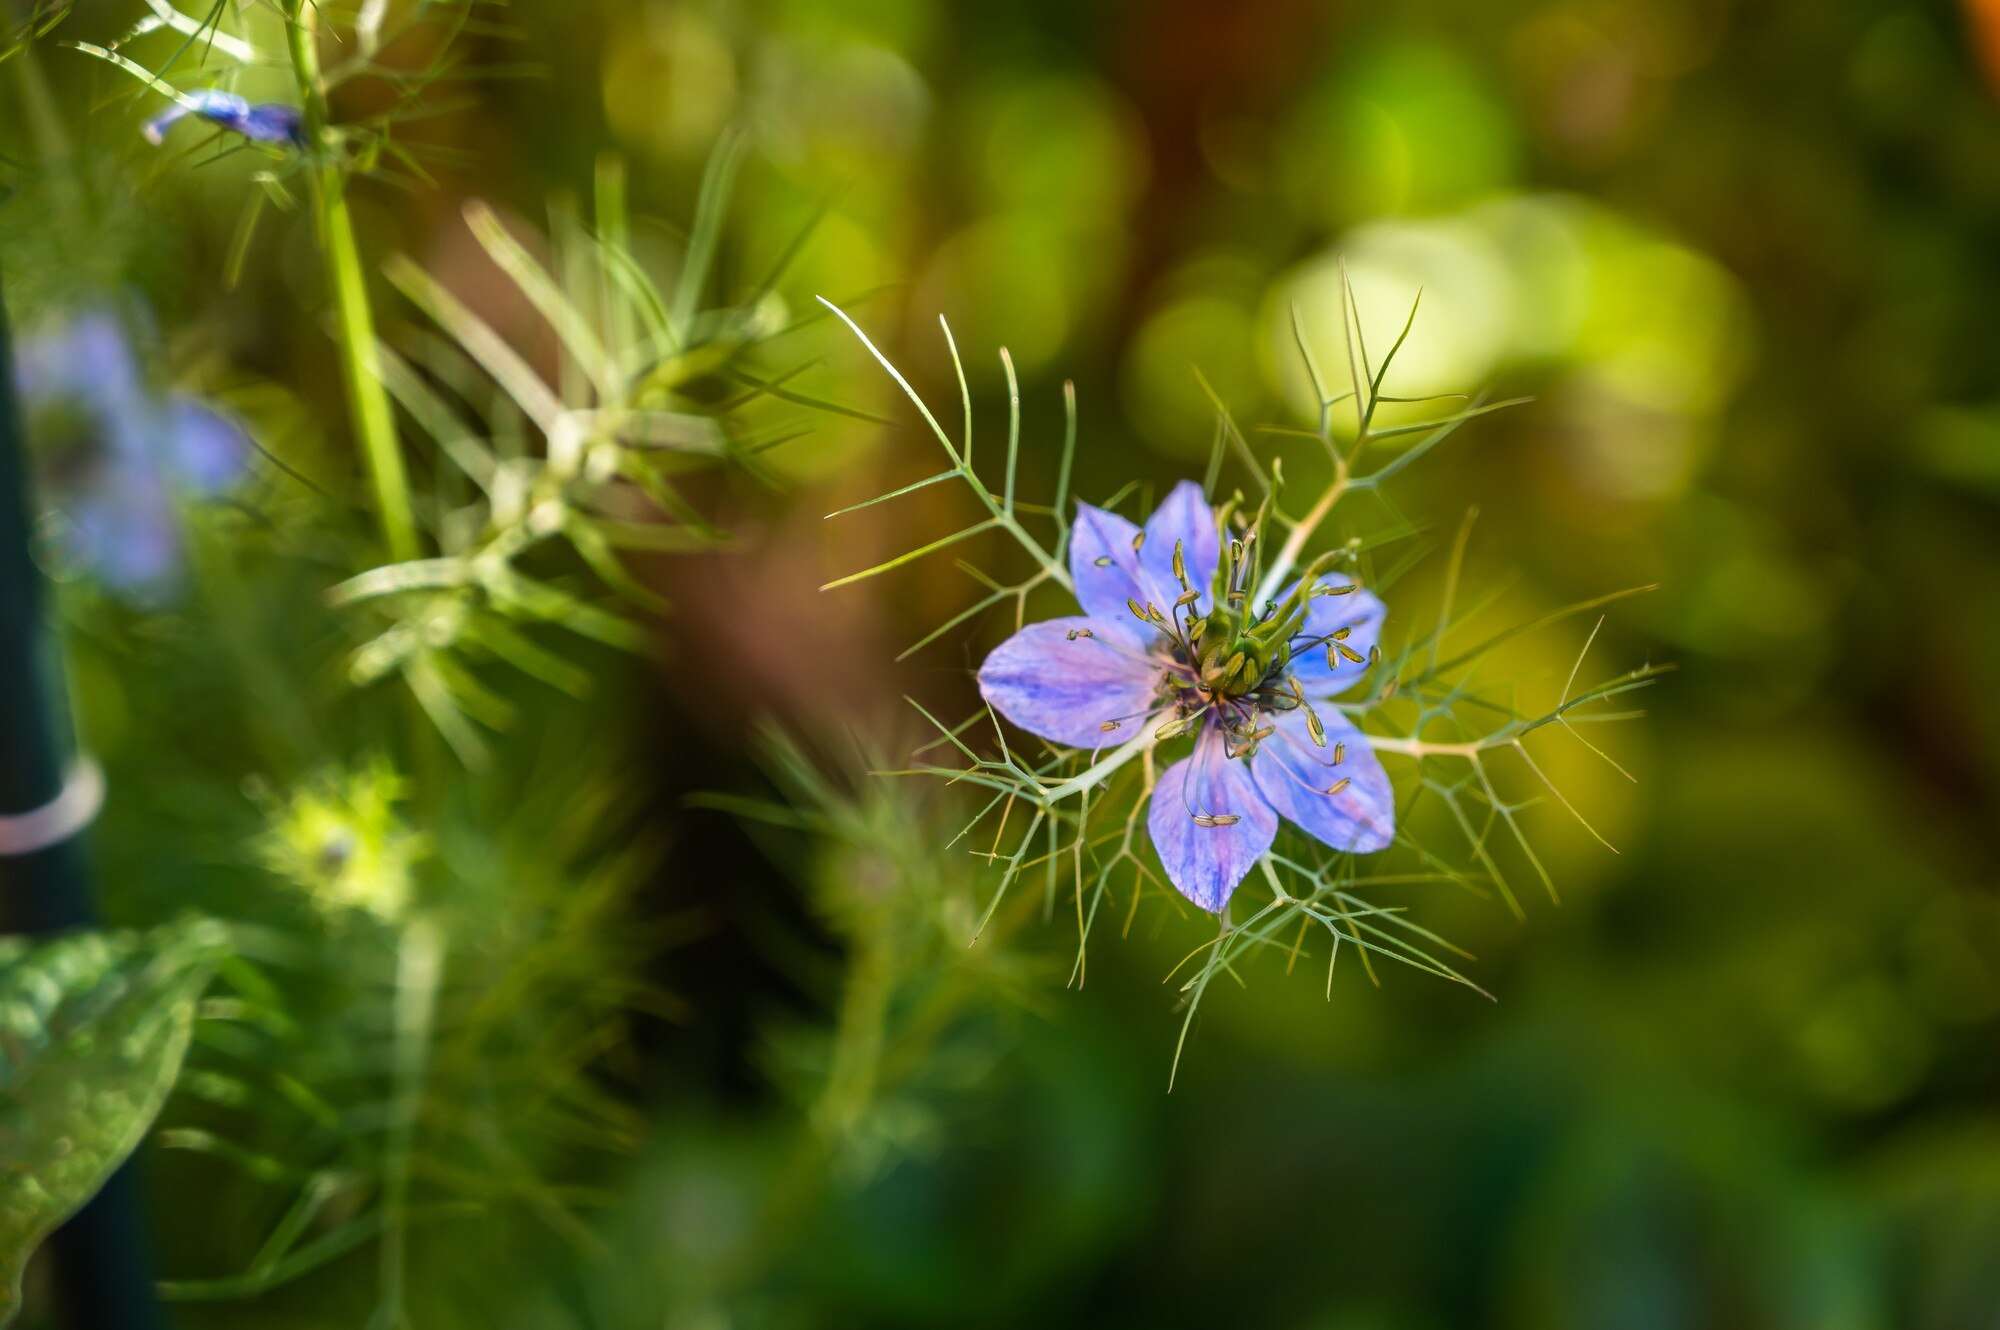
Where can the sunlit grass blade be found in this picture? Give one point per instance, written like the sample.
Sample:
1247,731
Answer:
548,298
710,205
479,341
918,553
897,493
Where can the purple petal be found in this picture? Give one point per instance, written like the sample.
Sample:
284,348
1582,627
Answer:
126,534
1053,681
204,450
211,104
272,122
1104,566
1205,862
87,360
1185,517
1361,612
268,122
156,128
1294,774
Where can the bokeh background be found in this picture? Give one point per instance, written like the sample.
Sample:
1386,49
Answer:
1742,256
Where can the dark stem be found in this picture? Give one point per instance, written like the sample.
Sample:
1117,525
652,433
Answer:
102,1276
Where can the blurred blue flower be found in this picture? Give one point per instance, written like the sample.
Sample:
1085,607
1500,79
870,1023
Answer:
266,122
1155,644
119,454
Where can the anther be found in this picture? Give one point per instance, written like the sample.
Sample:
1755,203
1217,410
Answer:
1102,561
1339,753
1075,633
1109,726
1138,539
1339,785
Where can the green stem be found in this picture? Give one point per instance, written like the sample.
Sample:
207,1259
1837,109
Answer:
1099,771
367,398
857,1048
420,962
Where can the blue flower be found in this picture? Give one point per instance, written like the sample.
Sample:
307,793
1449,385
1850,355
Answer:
118,454
1166,641
267,122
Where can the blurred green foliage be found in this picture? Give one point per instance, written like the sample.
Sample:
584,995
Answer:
1743,1075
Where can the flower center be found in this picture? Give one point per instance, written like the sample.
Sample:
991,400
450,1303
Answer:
1230,667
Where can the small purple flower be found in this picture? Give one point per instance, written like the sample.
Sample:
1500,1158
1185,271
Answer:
1166,640
267,122
117,454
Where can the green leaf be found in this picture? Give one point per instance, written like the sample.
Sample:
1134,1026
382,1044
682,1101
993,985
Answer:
93,1027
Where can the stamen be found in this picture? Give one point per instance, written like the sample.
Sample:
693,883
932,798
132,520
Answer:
1347,652
1339,785
1316,729
1110,725
1180,565
1216,819
1075,633
1138,539
1102,561
1339,753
